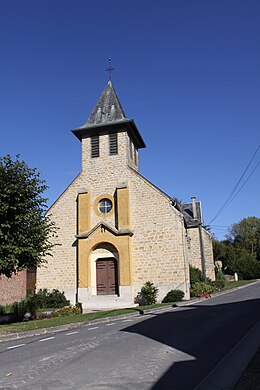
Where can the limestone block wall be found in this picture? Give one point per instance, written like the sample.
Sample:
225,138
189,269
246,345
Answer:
102,174
194,252
99,176
60,269
158,252
193,247
208,251
159,249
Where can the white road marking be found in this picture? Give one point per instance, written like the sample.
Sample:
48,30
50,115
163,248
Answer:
15,346
127,320
68,334
48,338
95,327
113,323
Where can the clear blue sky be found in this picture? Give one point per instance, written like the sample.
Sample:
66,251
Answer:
187,72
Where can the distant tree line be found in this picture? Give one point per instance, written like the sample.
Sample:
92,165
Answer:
240,251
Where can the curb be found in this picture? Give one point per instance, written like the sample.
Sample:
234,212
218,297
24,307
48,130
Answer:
73,325
228,371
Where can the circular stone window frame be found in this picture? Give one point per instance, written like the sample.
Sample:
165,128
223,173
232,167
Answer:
96,204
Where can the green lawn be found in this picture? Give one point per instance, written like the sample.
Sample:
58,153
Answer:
51,322
239,283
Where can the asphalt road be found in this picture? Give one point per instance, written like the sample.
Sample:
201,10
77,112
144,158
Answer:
173,349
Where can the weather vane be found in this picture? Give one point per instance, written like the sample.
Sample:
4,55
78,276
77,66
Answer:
109,69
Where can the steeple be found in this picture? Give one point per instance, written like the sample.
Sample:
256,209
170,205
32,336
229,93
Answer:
108,108
108,117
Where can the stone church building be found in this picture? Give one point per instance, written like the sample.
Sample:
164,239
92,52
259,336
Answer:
111,238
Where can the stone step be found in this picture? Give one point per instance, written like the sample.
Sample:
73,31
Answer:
107,302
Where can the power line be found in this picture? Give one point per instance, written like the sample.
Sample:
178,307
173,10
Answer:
232,195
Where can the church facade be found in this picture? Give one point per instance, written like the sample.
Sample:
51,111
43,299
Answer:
116,229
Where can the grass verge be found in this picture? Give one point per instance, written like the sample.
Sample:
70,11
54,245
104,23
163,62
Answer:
57,321
239,283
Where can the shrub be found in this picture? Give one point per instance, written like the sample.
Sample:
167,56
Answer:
40,298
220,276
18,310
66,311
79,306
32,307
195,275
218,284
54,299
173,296
2,310
200,288
57,299
148,294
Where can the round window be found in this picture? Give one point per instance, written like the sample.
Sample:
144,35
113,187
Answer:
105,205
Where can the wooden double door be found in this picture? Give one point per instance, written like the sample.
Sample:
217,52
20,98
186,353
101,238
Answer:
107,276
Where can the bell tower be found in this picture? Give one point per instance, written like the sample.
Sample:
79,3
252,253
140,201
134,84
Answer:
109,137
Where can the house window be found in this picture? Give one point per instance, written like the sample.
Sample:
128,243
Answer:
113,144
95,146
105,206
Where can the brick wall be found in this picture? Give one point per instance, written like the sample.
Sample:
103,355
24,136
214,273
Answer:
14,288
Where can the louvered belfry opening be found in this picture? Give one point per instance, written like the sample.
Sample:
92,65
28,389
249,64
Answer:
95,146
113,144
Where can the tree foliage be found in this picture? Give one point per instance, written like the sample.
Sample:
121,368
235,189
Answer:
240,253
24,228
246,235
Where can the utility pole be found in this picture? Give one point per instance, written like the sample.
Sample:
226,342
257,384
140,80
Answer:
202,252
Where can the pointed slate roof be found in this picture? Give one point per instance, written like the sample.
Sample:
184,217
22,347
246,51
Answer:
107,109
108,116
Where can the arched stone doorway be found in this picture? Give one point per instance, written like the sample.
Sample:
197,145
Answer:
104,265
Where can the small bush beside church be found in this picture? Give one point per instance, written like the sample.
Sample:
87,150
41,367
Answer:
148,294
173,296
28,308
50,299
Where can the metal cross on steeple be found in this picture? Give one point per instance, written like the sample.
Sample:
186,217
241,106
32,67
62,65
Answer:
109,69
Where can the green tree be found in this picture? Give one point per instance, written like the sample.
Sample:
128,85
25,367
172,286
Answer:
25,230
246,235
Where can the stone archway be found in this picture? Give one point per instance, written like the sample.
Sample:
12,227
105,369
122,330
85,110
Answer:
104,270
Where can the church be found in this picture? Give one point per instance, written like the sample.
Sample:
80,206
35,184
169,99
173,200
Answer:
116,229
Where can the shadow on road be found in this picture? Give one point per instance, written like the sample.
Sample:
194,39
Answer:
205,332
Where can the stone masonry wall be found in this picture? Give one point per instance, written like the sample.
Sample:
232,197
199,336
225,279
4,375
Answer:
194,253
158,251
60,270
193,247
99,176
208,251
159,246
